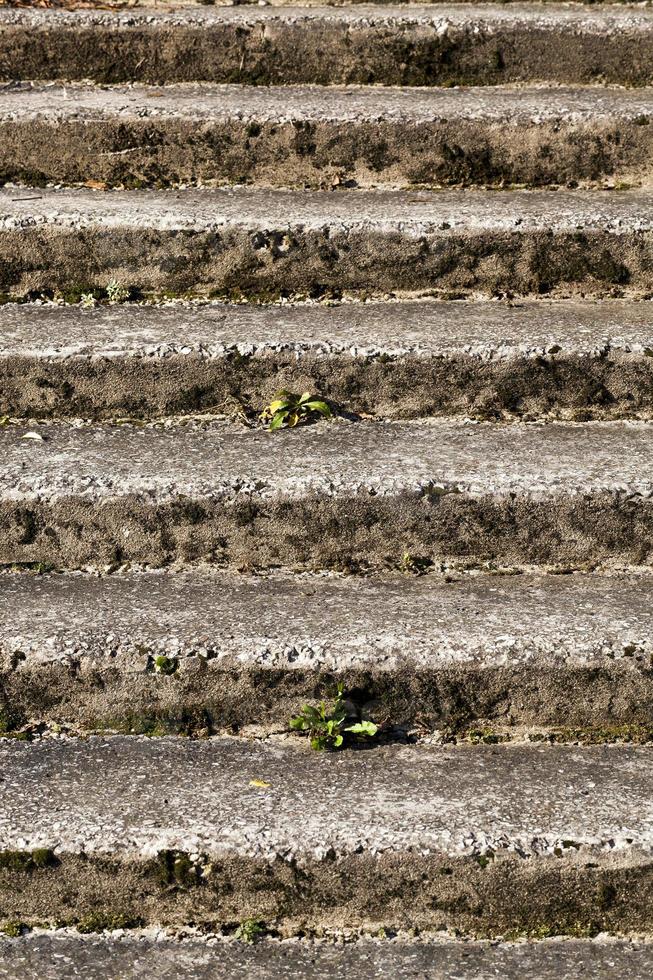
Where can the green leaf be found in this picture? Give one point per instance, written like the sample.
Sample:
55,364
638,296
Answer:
318,743
321,407
278,421
339,714
363,728
312,715
337,742
298,724
277,405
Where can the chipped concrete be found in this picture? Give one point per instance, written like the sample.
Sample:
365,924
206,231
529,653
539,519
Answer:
574,360
265,243
485,840
421,45
309,136
64,955
330,495
570,651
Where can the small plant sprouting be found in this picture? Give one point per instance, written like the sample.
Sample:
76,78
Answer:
326,727
165,665
288,410
116,292
416,564
250,930
87,301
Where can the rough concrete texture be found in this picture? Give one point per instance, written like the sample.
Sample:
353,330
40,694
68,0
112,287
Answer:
323,137
493,360
343,495
426,45
571,652
265,243
138,831
64,955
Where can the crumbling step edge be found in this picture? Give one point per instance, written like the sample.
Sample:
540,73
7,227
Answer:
355,497
324,136
566,359
500,840
265,244
207,651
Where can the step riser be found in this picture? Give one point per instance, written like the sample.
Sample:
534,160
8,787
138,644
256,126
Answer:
159,153
355,532
578,388
117,695
286,260
323,50
545,895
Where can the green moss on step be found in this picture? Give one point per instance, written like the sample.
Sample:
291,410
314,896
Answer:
28,861
103,921
176,868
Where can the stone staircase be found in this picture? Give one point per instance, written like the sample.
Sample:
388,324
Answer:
439,219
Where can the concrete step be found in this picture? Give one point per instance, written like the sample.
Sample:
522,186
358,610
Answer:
486,840
460,44
351,496
309,136
63,954
265,243
570,653
562,359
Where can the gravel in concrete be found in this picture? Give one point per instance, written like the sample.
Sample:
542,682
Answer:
568,652
566,359
263,244
328,495
63,955
484,839
308,136
421,45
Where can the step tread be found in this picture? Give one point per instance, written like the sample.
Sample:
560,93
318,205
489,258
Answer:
124,795
156,956
595,19
224,461
405,212
329,623
483,329
536,105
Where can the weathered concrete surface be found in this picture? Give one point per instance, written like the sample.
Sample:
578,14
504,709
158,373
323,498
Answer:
265,243
323,137
574,360
483,840
330,495
424,45
64,955
570,652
